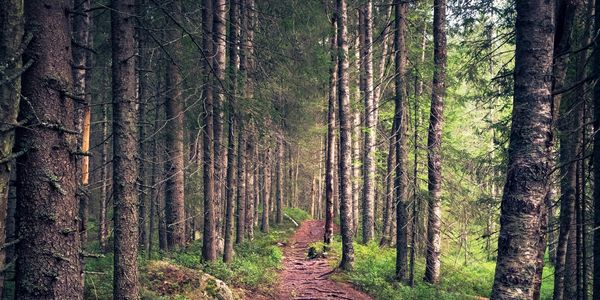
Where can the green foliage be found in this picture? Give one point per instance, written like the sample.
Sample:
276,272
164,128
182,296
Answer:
374,271
297,214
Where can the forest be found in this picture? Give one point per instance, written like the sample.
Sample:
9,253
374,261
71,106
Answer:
299,149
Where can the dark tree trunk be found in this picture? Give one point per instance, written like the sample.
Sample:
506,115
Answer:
47,207
345,175
11,35
250,196
389,214
233,41
266,191
104,197
174,137
241,188
401,120
596,155
209,251
434,143
528,160
330,139
125,173
279,192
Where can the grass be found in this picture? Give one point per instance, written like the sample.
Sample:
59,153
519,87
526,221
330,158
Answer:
374,270
254,266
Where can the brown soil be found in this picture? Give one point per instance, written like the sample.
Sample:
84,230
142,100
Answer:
303,278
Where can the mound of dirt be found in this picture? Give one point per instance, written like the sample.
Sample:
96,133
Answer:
166,279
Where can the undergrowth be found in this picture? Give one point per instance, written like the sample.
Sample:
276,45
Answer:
254,266
374,271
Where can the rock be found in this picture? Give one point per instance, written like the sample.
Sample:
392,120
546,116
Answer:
166,279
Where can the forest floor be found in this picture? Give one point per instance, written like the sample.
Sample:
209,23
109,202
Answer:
304,278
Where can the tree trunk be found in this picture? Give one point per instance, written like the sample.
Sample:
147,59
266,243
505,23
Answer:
389,211
209,252
104,197
125,173
232,38
11,35
47,207
241,188
345,175
80,66
174,137
401,120
219,64
279,211
370,129
250,199
596,156
266,191
144,94
330,142
528,162
434,143
357,130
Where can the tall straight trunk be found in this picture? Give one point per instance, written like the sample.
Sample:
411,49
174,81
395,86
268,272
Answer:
257,183
250,199
357,131
232,39
522,207
567,126
330,144
125,173
47,207
434,144
266,191
154,178
241,188
401,120
279,192
144,94
370,129
209,251
11,36
104,196
389,211
174,137
80,67
596,155
345,175
384,57
219,65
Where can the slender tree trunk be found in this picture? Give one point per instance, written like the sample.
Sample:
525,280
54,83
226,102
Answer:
357,130
279,211
125,173
174,109
80,67
11,36
401,120
596,155
389,211
528,160
370,129
209,252
345,175
250,199
47,207
330,139
232,73
434,143
241,189
104,197
219,65
266,192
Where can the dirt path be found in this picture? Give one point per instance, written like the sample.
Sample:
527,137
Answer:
303,278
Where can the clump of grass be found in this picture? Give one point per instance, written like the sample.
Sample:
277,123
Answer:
299,215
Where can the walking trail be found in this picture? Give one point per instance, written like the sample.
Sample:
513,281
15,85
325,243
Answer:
303,278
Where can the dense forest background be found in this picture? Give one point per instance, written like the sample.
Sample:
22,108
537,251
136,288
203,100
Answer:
171,149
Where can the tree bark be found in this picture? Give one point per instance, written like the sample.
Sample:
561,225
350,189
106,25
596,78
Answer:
219,64
528,160
241,188
401,120
434,143
232,39
266,191
330,138
174,137
370,128
11,36
279,192
47,207
250,195
345,175
125,173
209,252
596,155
